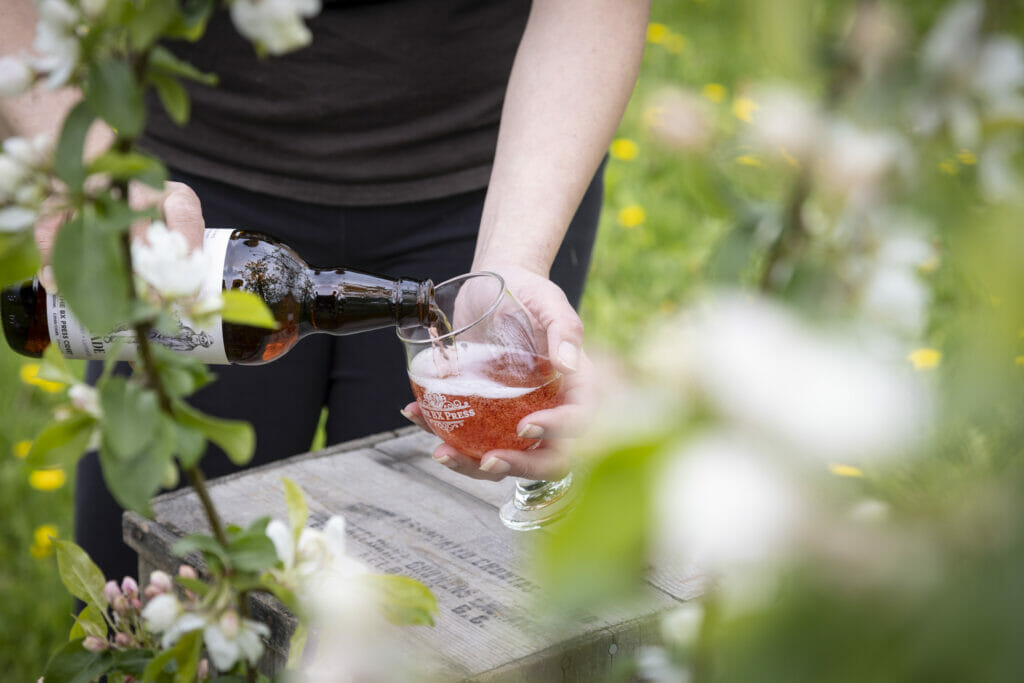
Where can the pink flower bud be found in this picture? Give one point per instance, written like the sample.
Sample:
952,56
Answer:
111,591
123,640
160,581
187,572
129,587
136,604
121,605
203,672
95,644
151,592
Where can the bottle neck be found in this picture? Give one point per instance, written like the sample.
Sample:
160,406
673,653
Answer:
345,301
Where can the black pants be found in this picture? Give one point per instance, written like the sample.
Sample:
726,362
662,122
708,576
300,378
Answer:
359,378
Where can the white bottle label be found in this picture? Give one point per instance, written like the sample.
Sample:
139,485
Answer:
203,342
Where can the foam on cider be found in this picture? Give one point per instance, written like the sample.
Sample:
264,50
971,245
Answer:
428,369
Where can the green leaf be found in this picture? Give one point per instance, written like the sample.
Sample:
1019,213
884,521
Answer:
74,664
61,443
173,96
245,308
150,20
90,268
133,480
131,415
184,656
298,509
197,586
163,61
252,550
113,94
404,601
19,258
80,575
89,622
180,374
189,445
235,437
598,551
132,662
207,545
68,162
54,367
129,166
192,23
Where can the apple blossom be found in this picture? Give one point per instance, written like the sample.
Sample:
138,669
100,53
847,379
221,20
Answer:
164,262
274,25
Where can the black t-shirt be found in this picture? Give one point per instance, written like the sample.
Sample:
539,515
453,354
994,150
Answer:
393,102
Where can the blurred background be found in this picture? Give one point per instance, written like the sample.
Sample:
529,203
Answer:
805,295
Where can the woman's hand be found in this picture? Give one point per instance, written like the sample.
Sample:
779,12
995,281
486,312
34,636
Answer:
563,331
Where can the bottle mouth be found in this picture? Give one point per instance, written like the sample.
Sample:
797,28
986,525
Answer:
420,334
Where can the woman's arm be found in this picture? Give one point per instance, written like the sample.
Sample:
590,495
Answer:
570,83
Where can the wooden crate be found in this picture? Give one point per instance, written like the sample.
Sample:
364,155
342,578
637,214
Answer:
406,514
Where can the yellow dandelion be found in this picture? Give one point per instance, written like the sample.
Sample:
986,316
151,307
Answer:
632,216
42,540
657,33
845,470
47,480
966,157
1019,360
30,375
749,160
21,449
743,108
715,92
675,43
623,149
929,266
925,358
948,167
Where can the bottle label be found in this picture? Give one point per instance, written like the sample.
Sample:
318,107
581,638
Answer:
202,342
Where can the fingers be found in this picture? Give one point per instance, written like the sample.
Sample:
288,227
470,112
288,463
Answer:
178,204
547,462
413,413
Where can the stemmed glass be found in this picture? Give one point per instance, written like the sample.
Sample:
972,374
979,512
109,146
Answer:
476,372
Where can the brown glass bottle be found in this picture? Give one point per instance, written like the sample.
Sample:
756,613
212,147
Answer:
303,300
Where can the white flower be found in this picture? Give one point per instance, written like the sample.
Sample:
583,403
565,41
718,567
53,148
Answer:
15,76
896,297
165,263
722,503
93,8
681,626
317,559
854,162
186,623
788,121
275,25
762,368
16,218
161,612
230,639
57,42
86,399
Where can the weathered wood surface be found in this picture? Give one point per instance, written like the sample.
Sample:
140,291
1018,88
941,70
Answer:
406,514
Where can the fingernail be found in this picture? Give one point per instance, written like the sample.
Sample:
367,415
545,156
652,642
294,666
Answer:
406,414
531,432
443,459
495,466
47,280
568,354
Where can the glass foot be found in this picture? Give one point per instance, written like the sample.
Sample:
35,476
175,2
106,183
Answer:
537,503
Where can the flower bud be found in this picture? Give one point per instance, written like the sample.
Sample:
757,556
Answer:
161,581
229,624
187,572
111,591
129,587
123,640
95,644
15,76
203,672
121,606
